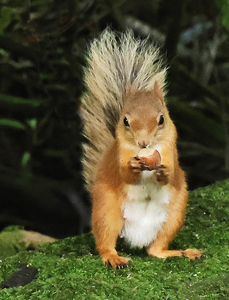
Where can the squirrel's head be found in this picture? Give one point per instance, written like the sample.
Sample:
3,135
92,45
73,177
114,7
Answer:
145,119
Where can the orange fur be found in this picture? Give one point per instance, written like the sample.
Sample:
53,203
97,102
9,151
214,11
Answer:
117,173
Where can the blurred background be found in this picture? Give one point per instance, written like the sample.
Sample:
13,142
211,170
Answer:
42,55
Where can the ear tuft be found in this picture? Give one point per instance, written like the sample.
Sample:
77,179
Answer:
158,91
128,88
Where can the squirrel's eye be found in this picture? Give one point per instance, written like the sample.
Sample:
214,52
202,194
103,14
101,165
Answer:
125,121
161,121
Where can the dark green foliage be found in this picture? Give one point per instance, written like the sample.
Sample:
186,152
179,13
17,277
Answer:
224,7
72,269
41,81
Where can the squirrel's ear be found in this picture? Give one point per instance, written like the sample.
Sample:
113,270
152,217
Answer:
158,91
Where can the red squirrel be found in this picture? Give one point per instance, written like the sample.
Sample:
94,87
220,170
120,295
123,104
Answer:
140,197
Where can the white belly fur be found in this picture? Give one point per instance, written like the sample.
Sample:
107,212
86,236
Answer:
144,211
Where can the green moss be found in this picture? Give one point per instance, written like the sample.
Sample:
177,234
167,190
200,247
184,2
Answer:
71,268
10,242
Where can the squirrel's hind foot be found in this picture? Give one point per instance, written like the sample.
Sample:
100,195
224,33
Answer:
193,253
190,253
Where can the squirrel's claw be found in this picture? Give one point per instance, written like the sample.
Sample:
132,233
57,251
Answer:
137,165
162,174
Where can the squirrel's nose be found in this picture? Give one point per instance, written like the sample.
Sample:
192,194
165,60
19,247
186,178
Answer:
143,144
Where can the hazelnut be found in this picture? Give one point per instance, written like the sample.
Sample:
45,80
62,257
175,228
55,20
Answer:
150,157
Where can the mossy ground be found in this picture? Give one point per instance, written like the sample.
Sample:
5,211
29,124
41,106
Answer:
71,268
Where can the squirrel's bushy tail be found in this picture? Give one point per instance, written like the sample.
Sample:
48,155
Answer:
114,61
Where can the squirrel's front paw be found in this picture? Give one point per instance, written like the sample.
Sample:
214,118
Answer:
137,165
162,174
116,261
